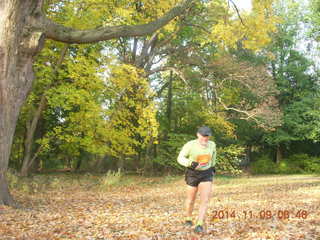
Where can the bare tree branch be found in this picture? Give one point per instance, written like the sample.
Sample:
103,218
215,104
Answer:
248,114
134,50
237,10
166,68
234,109
146,50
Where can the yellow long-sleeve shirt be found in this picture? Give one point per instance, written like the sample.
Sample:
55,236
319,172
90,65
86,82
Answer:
193,151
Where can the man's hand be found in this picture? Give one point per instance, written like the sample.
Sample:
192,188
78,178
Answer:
194,165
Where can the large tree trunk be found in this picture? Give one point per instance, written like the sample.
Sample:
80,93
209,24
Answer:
6,198
18,46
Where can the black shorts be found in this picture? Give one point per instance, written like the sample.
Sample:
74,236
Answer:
194,177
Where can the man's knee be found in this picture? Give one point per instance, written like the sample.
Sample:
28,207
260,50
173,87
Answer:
190,201
204,200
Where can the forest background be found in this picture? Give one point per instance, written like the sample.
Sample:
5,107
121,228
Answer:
128,105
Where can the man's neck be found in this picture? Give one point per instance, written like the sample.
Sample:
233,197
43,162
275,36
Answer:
203,144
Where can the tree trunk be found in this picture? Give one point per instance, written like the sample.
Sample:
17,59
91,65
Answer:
120,163
31,128
169,102
148,163
40,132
279,155
6,198
28,143
78,165
83,156
248,155
19,44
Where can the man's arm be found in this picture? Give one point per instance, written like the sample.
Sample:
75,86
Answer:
214,156
183,156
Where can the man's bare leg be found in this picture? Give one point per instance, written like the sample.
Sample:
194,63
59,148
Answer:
191,196
205,189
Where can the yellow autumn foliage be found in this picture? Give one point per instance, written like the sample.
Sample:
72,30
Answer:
251,28
132,114
85,14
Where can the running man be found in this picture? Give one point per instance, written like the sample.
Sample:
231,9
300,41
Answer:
199,156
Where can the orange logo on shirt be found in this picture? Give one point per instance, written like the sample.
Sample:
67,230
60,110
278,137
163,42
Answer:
203,159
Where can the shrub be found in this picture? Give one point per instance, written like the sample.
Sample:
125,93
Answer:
302,163
283,167
295,164
12,178
24,184
298,161
229,158
313,165
264,165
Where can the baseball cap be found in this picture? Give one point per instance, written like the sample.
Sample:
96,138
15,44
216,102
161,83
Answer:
204,131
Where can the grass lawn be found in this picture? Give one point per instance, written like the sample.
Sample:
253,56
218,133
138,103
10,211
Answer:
87,207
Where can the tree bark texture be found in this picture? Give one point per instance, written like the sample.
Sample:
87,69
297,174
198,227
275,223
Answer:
18,46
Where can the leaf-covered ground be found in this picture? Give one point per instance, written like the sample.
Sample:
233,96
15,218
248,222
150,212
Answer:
268,207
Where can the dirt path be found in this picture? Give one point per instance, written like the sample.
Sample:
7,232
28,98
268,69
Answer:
272,207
